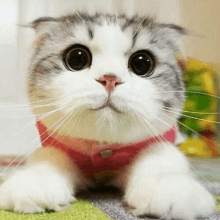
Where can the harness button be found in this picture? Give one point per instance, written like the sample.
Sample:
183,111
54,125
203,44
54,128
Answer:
106,153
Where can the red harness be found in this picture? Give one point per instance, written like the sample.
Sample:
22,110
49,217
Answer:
88,154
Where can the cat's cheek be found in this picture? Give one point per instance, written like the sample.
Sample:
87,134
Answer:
75,90
136,94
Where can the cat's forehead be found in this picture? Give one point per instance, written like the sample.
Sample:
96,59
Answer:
105,33
104,37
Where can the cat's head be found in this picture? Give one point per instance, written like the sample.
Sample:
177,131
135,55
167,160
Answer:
106,77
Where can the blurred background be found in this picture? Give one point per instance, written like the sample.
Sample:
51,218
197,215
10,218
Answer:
197,138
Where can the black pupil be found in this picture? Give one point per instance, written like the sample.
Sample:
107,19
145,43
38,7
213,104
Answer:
77,59
141,64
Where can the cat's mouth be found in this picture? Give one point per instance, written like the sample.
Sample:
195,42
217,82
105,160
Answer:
107,104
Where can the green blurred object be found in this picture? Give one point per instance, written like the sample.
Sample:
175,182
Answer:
200,99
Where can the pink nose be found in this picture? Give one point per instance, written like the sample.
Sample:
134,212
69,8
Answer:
109,81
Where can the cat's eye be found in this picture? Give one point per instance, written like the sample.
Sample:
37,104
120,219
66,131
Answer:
142,63
77,57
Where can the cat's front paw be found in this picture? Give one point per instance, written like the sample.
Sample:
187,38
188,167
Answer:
29,191
170,198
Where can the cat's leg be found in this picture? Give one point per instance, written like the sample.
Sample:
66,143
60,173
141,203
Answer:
48,181
159,183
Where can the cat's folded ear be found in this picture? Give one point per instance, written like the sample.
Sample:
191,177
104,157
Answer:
179,31
43,23
174,33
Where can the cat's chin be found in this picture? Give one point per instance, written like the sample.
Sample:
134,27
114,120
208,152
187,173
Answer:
106,124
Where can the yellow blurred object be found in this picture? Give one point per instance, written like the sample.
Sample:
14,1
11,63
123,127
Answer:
208,79
194,65
201,78
189,104
196,147
208,123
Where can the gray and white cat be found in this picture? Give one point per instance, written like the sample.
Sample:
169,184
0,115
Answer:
107,79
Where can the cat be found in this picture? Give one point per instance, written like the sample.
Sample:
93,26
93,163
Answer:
101,87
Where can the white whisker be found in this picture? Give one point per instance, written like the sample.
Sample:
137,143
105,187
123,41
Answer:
178,113
30,104
202,113
5,169
138,28
39,144
34,121
71,113
82,20
157,134
190,91
189,163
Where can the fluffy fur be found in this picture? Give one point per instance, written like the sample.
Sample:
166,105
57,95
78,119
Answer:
159,181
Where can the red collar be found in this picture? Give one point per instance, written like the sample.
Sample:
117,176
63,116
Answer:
92,156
